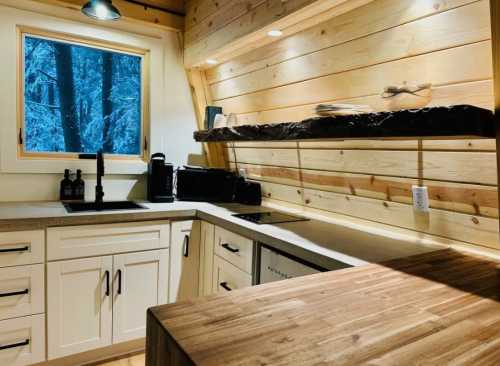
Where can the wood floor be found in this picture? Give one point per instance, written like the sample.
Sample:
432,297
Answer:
132,360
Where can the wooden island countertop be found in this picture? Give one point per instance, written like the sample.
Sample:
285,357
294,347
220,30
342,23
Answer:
437,308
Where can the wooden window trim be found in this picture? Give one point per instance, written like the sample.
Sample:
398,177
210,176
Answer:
81,40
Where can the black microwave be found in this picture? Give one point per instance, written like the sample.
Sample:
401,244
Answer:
207,185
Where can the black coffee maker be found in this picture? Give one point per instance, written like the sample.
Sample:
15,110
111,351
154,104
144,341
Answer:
160,179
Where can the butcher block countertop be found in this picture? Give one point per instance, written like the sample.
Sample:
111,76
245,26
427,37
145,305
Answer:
439,308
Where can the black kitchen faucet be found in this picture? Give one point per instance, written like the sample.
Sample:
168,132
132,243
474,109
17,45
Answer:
99,192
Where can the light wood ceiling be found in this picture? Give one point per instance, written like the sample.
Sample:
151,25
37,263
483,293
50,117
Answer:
162,13
171,5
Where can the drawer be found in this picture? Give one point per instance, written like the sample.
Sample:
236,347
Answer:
228,277
22,340
22,291
234,248
22,247
96,240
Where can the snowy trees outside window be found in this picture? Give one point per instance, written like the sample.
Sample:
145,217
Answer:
79,99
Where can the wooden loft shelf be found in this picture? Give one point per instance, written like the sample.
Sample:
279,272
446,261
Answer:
457,122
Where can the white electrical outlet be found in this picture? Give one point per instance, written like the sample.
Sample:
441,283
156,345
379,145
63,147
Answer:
420,198
243,173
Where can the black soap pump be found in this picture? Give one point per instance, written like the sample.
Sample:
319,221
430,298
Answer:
78,187
66,190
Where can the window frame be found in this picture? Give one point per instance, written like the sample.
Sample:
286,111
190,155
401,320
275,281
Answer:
144,54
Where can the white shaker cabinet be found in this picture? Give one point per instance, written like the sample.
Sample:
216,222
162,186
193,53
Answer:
22,340
22,298
79,305
184,260
228,277
102,300
22,291
140,282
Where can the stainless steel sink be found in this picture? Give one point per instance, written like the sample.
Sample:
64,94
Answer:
73,207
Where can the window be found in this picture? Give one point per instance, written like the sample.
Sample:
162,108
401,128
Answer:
80,97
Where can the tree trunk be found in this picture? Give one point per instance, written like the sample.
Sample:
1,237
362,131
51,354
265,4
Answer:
107,105
66,86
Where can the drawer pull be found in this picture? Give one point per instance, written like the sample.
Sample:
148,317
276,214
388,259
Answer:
230,248
106,274
225,286
23,292
14,345
23,249
119,273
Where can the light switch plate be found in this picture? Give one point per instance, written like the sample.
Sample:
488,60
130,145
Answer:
420,198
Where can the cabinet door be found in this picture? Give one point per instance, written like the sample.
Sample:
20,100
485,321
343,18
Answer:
206,258
79,307
184,260
140,281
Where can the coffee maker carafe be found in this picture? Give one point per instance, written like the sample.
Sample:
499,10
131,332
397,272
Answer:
160,179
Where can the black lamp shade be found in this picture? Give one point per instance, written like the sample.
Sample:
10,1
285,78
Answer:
101,10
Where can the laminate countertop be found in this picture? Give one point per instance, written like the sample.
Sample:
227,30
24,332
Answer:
438,308
322,242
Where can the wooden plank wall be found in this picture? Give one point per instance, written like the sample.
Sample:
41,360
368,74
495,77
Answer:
350,59
222,30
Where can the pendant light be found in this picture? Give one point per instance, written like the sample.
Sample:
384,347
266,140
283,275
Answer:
101,10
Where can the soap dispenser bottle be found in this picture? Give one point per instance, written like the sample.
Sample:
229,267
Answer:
79,187
66,190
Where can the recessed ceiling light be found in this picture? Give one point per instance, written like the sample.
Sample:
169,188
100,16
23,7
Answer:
275,33
211,61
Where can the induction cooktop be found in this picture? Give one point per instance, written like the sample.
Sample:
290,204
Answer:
269,217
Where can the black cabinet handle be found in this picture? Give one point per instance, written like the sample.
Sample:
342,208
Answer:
119,273
186,246
14,345
225,286
23,249
106,274
230,248
15,293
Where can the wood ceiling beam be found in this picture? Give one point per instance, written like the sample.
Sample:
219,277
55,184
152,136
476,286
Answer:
133,12
176,6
